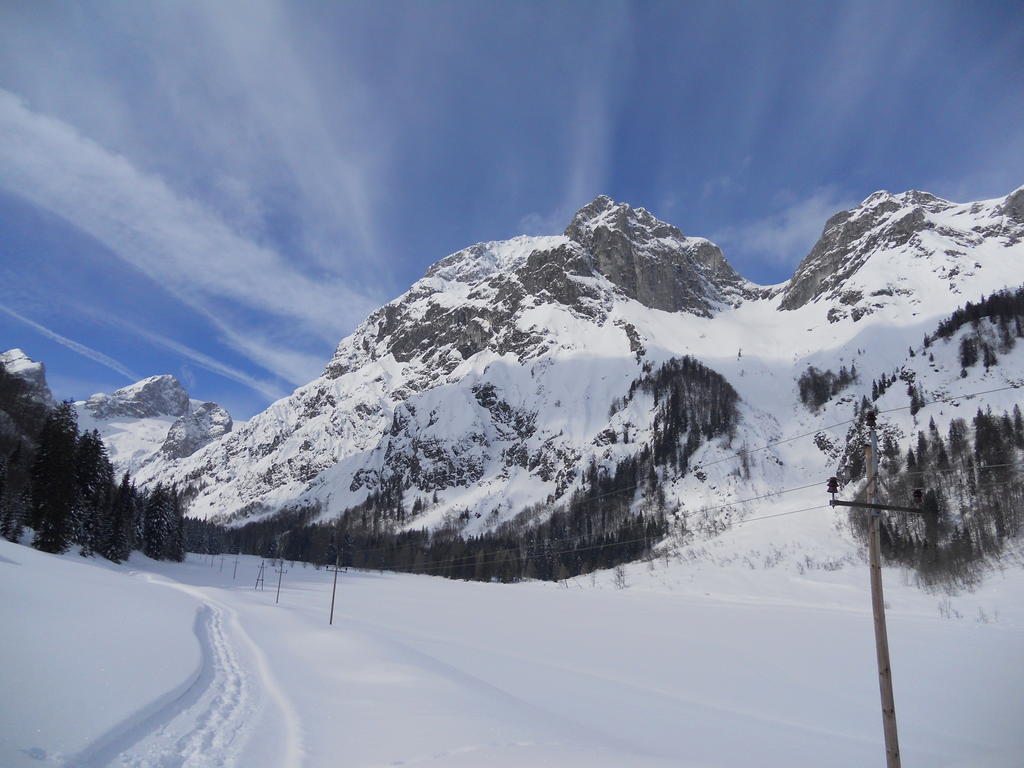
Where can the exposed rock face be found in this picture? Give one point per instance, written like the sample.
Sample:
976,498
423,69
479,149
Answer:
915,221
653,262
850,236
194,430
155,396
382,413
25,399
18,364
1013,206
648,260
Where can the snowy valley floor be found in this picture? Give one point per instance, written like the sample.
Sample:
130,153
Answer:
157,664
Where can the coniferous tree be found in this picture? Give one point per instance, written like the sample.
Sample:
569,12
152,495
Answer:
12,513
158,521
118,544
54,490
7,521
94,476
174,548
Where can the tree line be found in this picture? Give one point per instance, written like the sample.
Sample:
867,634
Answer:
509,554
60,483
616,515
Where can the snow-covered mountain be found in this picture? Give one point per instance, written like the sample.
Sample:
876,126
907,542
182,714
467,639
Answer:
512,367
16,363
25,398
152,420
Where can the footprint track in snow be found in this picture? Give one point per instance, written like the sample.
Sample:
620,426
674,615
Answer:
211,732
204,725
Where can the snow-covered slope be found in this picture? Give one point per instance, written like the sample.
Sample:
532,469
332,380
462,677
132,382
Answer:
185,664
505,372
151,419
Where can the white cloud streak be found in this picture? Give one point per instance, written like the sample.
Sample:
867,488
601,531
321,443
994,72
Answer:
787,236
177,242
323,146
74,346
205,361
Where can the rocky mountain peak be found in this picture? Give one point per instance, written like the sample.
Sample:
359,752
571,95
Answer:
16,363
638,224
1013,206
192,431
471,300
652,261
156,396
882,222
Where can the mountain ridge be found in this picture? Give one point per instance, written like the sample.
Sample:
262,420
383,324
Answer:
458,389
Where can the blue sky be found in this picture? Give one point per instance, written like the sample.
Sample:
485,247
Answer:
223,190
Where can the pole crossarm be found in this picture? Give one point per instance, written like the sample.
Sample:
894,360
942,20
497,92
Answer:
882,507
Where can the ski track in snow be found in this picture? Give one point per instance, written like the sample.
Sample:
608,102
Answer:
214,729
208,721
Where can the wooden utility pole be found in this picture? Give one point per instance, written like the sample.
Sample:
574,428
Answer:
235,574
892,743
334,589
259,576
892,746
280,573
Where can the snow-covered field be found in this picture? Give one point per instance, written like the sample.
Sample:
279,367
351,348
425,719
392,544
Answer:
157,664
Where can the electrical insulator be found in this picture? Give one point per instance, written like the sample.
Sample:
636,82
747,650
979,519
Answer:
871,419
833,485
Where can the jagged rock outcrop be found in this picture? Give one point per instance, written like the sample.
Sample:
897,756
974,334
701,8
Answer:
25,399
155,396
16,363
849,238
653,262
888,222
646,259
192,431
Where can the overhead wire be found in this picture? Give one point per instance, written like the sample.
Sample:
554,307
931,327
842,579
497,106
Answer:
493,556
696,510
739,454
792,438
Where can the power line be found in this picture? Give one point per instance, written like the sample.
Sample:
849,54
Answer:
977,467
725,505
951,398
736,502
779,514
781,441
491,556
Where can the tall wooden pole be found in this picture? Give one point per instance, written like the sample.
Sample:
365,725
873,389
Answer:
280,573
334,589
892,746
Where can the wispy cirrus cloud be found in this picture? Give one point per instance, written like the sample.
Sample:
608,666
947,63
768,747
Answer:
75,346
786,237
176,241
267,388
